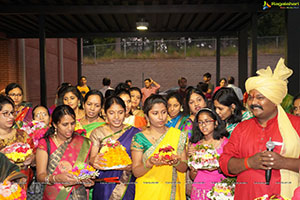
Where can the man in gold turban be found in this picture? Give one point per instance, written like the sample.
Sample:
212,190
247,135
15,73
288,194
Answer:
245,155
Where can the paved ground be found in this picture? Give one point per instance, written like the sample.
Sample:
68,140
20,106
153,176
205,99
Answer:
167,71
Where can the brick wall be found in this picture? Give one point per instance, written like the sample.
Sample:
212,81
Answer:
53,68
9,63
11,66
166,71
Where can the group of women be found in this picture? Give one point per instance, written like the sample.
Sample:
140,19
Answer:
181,123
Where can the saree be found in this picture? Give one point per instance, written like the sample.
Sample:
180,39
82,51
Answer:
136,121
138,112
160,182
62,159
177,122
230,127
20,137
187,126
126,189
90,127
24,112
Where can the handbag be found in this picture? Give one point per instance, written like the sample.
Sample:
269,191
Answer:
36,189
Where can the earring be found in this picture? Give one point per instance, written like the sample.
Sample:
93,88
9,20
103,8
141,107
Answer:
55,131
181,109
79,104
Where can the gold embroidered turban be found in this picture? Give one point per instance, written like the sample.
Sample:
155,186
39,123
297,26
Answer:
271,85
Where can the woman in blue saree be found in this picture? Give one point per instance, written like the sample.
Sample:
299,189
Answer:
175,111
115,110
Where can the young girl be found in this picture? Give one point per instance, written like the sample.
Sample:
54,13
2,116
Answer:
208,128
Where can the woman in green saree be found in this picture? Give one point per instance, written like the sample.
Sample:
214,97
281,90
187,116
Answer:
93,103
229,108
158,179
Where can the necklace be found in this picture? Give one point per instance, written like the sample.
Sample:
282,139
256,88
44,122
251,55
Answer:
154,138
55,141
214,143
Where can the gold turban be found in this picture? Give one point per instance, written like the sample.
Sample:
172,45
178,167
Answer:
274,87
271,85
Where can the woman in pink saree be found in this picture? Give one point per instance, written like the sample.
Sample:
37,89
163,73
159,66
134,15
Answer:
58,152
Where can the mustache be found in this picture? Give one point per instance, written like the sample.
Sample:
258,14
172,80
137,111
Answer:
256,106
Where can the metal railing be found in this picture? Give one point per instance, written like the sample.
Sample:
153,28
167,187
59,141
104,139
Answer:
184,47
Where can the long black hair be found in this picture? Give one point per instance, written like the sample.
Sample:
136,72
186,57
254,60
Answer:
121,92
6,100
219,130
150,101
57,114
72,89
178,97
188,97
12,86
226,96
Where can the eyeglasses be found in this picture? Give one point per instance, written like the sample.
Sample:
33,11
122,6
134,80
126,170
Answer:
15,95
7,114
206,122
41,114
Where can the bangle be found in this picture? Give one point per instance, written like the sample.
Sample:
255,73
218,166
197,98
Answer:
175,165
246,163
185,161
53,177
47,180
146,166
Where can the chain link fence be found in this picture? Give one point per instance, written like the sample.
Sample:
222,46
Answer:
184,47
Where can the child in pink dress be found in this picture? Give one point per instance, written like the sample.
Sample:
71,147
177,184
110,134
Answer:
208,128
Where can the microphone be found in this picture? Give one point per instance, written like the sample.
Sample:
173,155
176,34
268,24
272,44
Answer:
270,146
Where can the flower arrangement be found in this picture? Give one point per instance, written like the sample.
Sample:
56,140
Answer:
115,155
271,197
205,157
84,171
11,191
165,153
36,130
17,152
223,190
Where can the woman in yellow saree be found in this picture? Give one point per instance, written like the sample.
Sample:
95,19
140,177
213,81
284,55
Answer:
157,179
